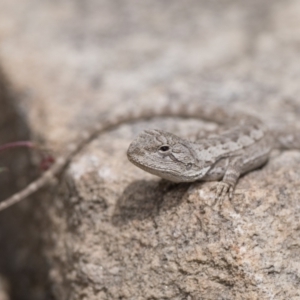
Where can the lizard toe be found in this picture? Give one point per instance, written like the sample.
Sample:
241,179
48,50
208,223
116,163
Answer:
230,192
221,190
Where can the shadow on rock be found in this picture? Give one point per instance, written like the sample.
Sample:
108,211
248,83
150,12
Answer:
22,260
145,199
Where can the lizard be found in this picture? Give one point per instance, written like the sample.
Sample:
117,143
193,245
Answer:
243,147
226,156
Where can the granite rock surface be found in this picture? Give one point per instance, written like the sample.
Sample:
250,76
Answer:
107,230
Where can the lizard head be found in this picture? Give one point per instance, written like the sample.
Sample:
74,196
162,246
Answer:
166,155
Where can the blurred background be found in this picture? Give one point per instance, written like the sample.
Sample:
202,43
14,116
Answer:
77,59
66,63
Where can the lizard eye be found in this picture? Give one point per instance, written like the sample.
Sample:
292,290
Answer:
164,148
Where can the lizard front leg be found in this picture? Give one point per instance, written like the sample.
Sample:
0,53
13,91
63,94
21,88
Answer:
230,178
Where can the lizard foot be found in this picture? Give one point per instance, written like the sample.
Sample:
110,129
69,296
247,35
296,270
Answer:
221,190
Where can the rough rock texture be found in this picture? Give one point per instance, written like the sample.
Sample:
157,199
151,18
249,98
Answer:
109,230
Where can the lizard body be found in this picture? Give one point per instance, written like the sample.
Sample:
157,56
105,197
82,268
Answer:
243,148
226,156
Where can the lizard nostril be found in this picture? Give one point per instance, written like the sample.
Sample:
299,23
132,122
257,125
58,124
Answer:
133,151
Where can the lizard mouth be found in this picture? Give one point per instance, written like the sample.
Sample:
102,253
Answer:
160,172
157,171
171,176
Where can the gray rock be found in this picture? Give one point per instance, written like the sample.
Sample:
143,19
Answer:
109,230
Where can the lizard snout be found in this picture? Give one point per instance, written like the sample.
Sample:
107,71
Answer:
134,151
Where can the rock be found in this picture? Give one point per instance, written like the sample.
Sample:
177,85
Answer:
107,230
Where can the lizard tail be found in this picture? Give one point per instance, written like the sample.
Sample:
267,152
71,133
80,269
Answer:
185,110
288,139
35,185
